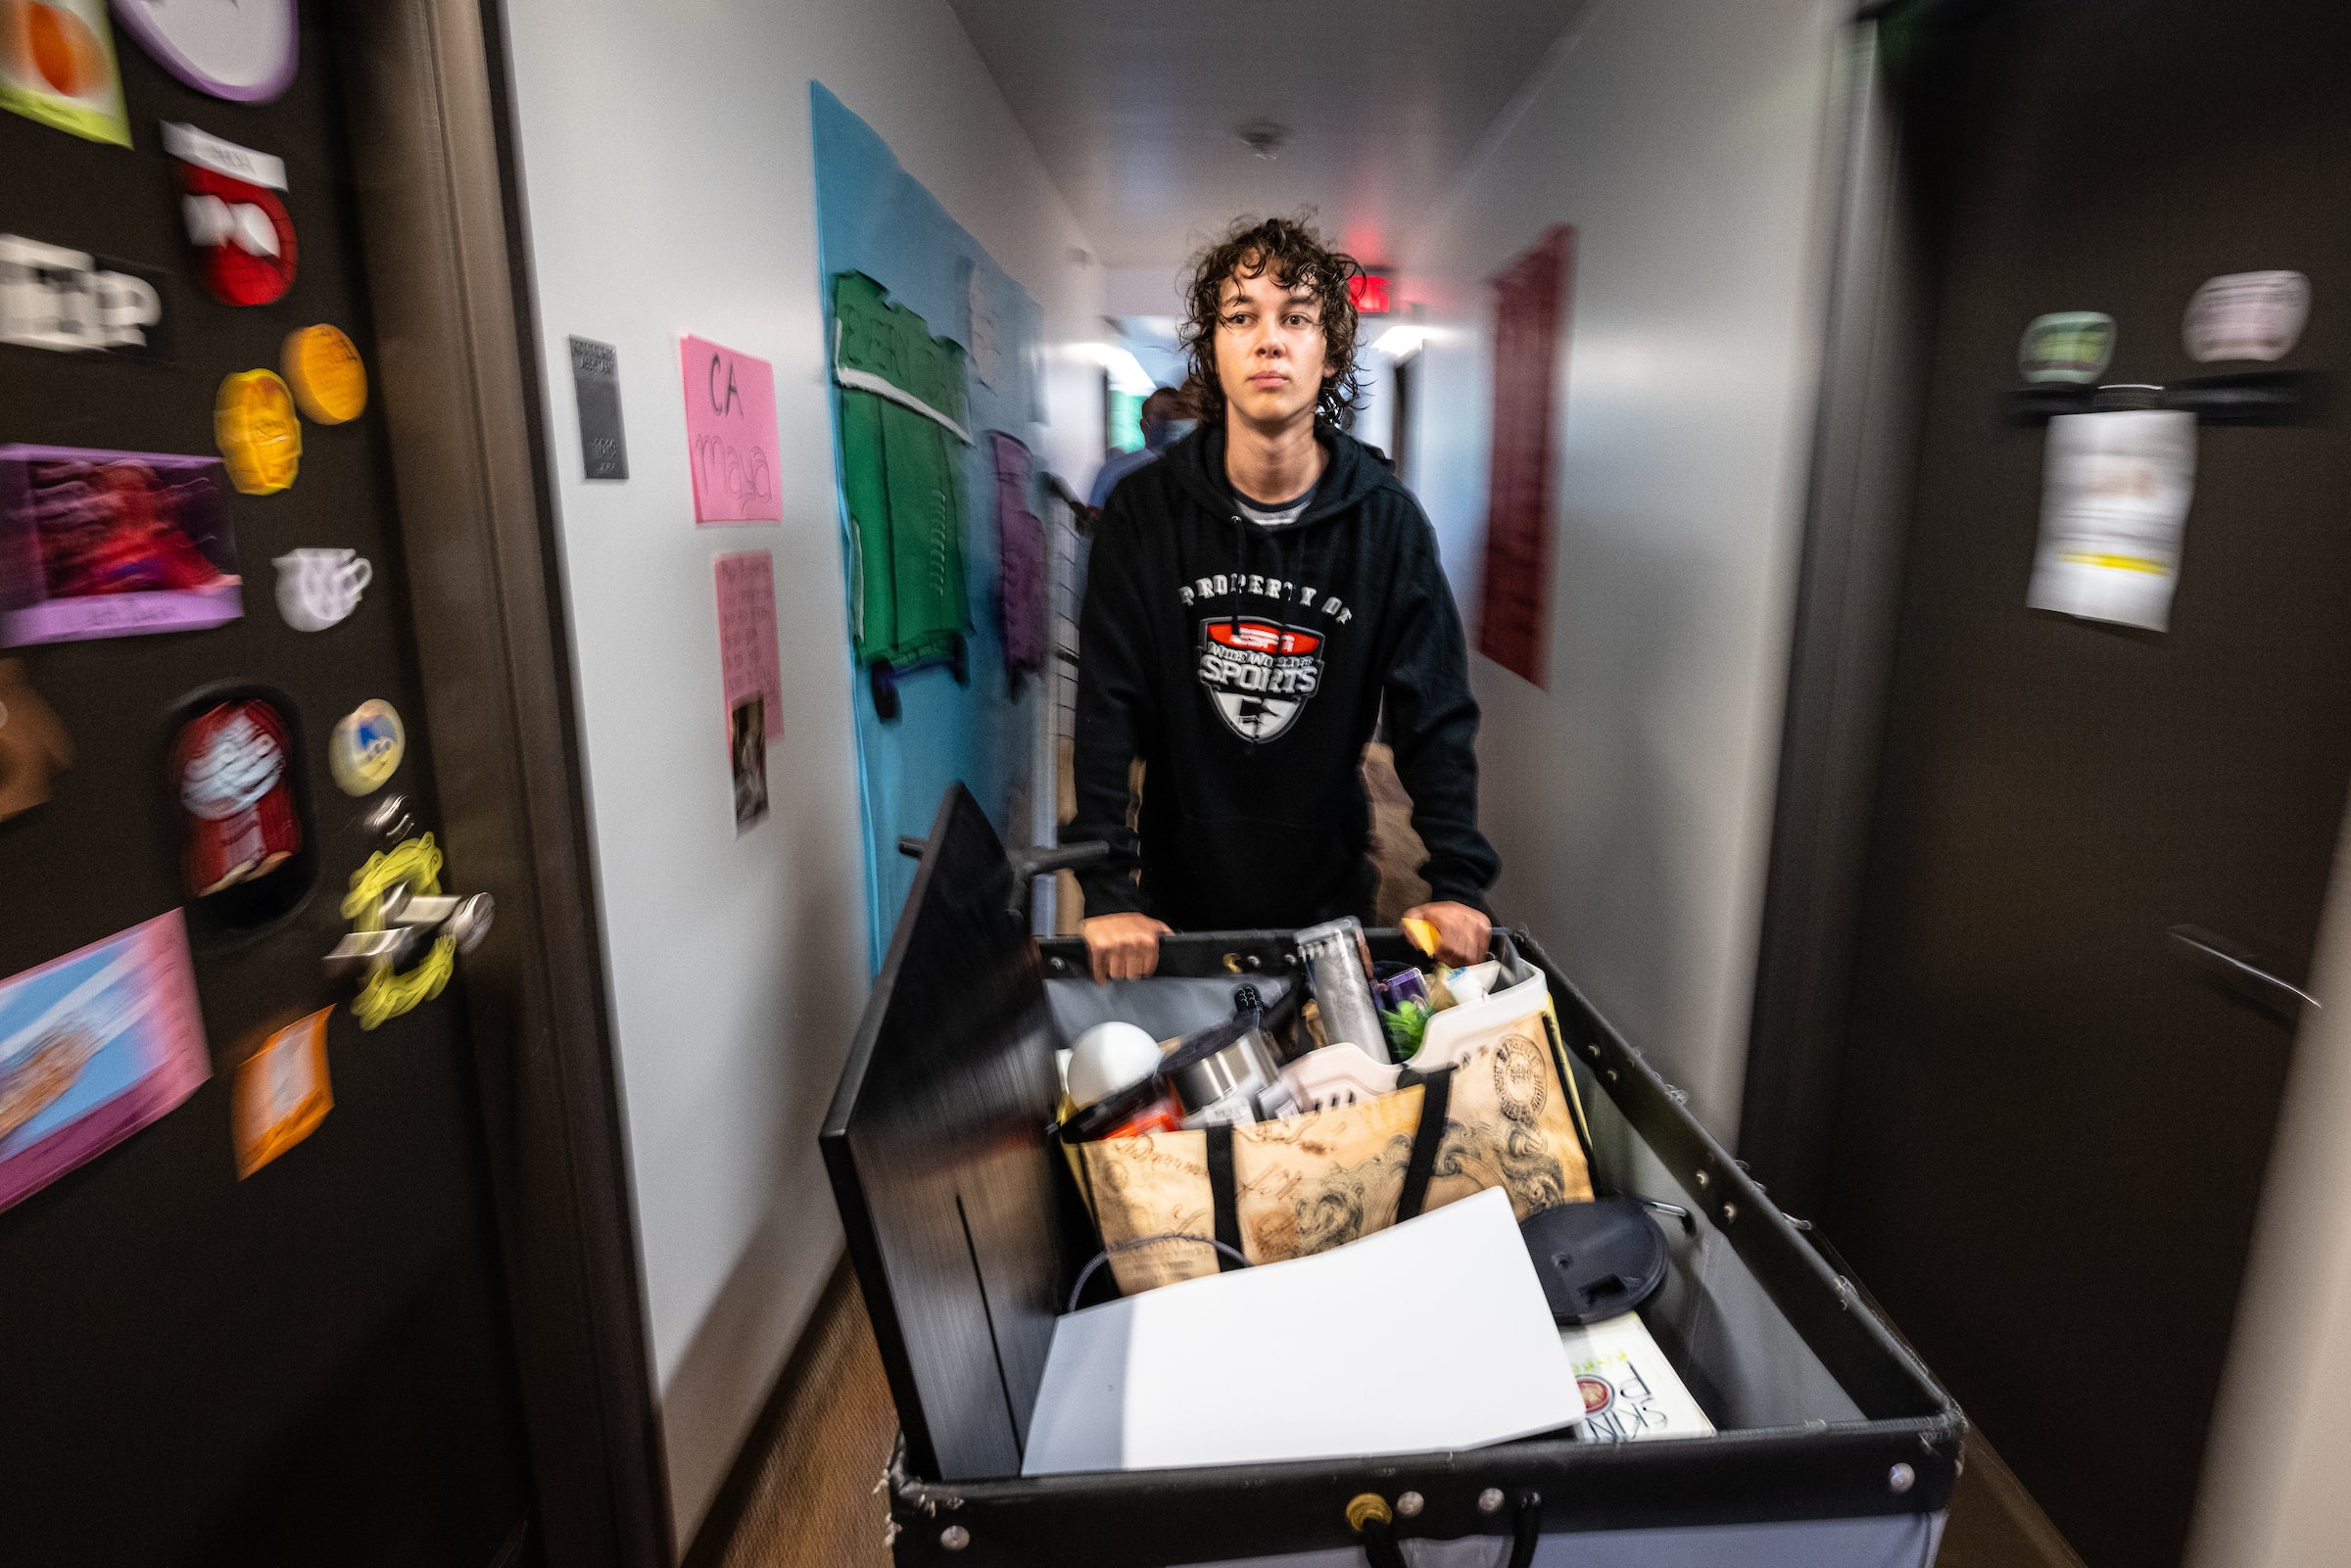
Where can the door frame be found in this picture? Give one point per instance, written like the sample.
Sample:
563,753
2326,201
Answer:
424,85
1842,643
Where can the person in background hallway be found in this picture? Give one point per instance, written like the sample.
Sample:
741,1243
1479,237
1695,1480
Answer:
1256,595
1168,417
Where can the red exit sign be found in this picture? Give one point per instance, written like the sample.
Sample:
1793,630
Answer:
1369,293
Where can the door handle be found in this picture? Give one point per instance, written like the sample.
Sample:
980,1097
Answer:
399,912
408,921
2237,970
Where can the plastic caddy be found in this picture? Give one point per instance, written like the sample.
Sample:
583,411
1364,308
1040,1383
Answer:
1833,1448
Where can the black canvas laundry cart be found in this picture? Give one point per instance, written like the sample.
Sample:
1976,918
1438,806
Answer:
1834,1447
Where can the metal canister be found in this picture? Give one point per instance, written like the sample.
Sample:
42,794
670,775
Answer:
1339,966
1239,1084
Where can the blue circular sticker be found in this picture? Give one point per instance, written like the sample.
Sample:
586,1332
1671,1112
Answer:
366,748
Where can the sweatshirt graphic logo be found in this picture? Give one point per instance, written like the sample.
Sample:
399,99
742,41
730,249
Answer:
1259,674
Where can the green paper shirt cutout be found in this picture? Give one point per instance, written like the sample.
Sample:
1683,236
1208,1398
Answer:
882,348
901,417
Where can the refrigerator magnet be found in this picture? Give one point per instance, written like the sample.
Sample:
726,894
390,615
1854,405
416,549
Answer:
367,747
2247,316
113,544
2073,345
240,817
242,235
281,1093
57,65
326,374
33,746
254,428
71,302
319,587
241,50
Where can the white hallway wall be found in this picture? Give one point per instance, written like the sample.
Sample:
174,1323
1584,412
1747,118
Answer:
1688,141
667,174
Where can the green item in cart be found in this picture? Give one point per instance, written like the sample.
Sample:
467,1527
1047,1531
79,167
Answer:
1406,1025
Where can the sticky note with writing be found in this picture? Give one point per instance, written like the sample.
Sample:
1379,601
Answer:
731,434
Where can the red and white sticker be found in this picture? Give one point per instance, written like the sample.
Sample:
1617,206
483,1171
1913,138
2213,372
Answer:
240,229
230,769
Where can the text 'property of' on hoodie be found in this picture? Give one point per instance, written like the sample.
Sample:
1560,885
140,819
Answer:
1246,666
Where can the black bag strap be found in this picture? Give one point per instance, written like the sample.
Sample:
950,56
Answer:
1436,1093
1221,1197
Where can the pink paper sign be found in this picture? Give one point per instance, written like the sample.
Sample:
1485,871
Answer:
746,634
731,434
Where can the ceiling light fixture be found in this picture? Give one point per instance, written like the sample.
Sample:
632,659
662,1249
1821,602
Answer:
1265,137
1127,372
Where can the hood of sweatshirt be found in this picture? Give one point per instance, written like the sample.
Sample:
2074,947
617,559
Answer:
1351,474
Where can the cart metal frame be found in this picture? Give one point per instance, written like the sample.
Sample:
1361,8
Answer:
962,1237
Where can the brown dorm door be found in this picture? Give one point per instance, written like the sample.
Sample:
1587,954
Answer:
311,1363
2056,1106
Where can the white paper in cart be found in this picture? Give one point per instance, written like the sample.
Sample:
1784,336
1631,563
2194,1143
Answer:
1631,1393
1433,1334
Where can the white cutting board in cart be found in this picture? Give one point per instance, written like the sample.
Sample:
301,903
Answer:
1429,1335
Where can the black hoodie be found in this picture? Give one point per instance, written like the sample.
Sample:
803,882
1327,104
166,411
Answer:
1246,666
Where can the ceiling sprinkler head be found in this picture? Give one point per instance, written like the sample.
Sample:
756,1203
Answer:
1265,137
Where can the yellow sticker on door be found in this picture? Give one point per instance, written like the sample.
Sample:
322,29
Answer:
281,1094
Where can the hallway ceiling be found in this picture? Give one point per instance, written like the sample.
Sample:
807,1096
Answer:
1136,109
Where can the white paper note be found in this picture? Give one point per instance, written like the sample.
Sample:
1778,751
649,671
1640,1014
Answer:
1433,1334
2114,499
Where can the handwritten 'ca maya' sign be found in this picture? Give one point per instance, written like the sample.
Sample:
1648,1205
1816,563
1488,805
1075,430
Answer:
731,434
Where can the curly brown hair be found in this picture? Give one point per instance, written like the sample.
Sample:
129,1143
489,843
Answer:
1291,249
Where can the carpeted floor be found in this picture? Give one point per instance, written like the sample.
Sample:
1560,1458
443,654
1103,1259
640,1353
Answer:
804,1494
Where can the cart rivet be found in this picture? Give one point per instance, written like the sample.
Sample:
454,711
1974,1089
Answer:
1612,1074
1409,1505
1730,1211
1902,1478
1702,1178
1490,1500
954,1538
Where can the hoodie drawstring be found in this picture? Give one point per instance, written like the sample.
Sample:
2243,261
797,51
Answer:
1233,624
1284,547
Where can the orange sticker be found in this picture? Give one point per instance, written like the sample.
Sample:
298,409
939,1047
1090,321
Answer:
324,369
280,1095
